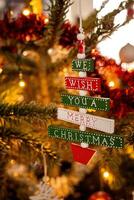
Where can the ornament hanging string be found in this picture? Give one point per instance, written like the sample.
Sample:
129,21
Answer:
80,17
44,164
81,55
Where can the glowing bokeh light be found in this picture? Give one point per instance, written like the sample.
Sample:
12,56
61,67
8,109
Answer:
26,12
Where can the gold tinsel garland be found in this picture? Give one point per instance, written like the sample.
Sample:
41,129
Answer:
37,6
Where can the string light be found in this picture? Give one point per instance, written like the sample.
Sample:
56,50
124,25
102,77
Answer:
21,81
46,20
26,12
111,84
130,151
106,174
1,70
50,51
11,13
25,53
12,162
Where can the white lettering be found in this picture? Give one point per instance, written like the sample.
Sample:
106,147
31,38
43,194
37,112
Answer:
96,140
89,85
78,64
88,139
84,64
77,117
76,136
82,120
81,138
63,134
111,141
70,115
90,121
72,82
77,101
55,133
93,103
83,84
70,98
84,101
70,137
104,142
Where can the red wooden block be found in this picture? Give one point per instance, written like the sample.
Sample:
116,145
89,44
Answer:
83,83
82,155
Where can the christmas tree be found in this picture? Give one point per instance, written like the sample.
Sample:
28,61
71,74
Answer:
36,53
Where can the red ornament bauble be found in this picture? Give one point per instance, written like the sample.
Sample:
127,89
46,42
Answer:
100,196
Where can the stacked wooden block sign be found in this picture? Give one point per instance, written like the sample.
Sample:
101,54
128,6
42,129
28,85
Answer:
105,126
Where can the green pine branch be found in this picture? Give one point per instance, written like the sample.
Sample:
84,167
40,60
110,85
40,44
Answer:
57,12
126,129
27,117
103,28
28,111
31,140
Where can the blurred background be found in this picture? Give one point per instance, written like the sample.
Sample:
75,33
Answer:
38,41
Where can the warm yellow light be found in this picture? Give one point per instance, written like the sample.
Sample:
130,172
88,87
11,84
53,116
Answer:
65,70
11,12
111,84
106,174
26,12
1,70
37,6
91,110
50,51
46,20
25,53
130,151
12,162
22,83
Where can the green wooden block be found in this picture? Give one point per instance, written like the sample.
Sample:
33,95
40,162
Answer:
86,102
92,138
83,65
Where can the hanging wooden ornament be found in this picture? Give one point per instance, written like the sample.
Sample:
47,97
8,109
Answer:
88,137
95,103
81,152
83,83
83,65
82,155
87,120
